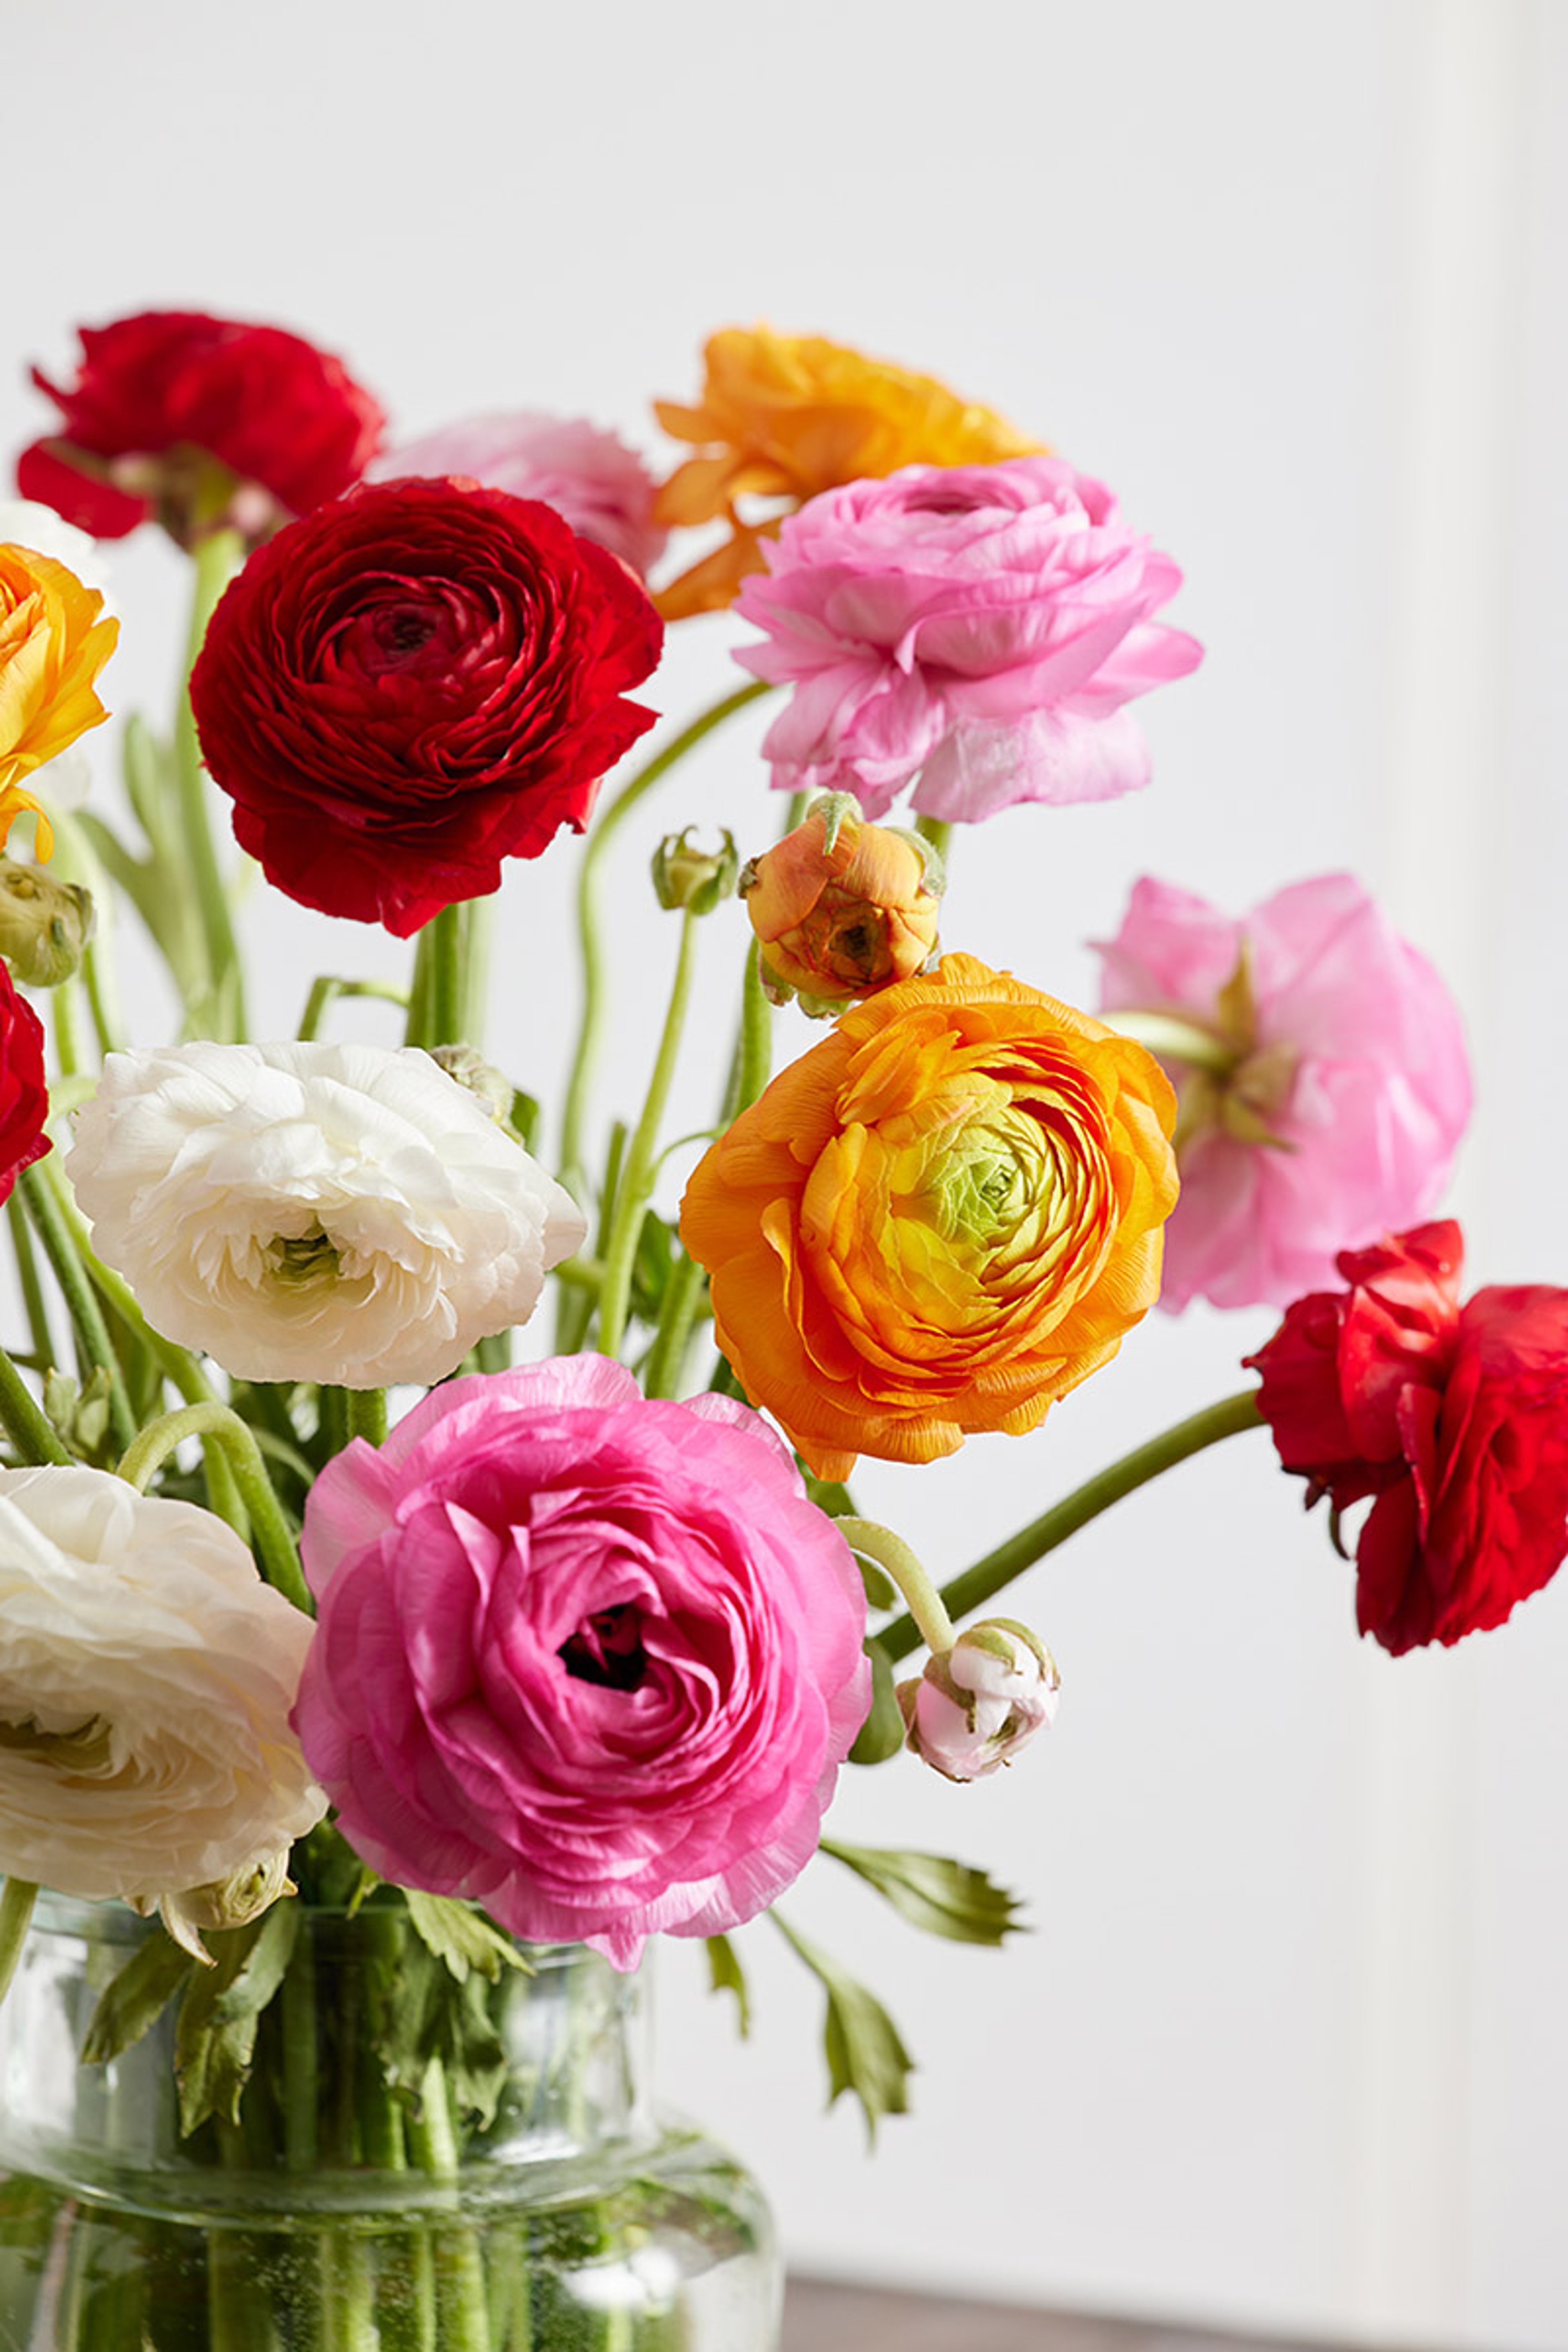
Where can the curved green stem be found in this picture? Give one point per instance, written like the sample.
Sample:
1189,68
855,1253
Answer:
16,1903
591,1026
1171,1037
898,1559
60,1249
327,988
216,559
986,1578
216,1425
636,1177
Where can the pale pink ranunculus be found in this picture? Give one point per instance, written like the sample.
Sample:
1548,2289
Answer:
975,630
590,476
591,1660
1337,1088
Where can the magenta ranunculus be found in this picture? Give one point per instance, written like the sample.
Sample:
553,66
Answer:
976,627
1324,1090
602,488
591,1660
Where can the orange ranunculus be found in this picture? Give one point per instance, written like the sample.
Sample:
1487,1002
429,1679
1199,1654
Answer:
53,642
842,908
783,416
940,1220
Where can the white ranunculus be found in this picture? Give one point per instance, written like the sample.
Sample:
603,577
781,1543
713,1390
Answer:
146,1676
346,1213
977,1704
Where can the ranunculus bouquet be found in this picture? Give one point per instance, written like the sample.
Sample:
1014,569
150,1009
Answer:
570,1651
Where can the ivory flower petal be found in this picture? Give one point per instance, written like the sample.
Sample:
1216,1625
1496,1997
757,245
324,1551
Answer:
336,1213
146,1676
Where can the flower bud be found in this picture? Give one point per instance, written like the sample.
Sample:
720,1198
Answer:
44,924
975,1707
842,908
231,1902
695,879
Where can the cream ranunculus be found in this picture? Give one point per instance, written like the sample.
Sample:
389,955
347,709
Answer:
146,1676
344,1214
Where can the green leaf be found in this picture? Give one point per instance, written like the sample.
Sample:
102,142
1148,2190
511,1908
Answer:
882,1733
865,2052
462,1937
430,2015
135,1998
933,1892
214,2040
725,1974
523,1116
651,1267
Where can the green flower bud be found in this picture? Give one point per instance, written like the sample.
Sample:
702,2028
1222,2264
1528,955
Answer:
44,924
695,879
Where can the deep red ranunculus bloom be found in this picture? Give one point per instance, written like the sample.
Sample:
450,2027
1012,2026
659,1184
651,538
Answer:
158,393
1453,1419
24,1097
413,683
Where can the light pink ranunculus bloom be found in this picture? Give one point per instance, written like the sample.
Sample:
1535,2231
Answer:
590,476
1336,1089
976,627
590,1660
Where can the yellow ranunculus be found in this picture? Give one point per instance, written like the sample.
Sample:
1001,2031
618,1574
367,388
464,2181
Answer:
785,417
53,640
938,1221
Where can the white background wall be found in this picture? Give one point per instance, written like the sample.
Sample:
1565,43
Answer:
1288,2042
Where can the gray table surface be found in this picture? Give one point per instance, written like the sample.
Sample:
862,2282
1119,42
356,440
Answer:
825,2316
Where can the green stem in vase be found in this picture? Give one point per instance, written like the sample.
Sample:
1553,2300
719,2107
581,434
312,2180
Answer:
33,1434
18,1897
216,559
591,1026
93,1333
988,1576
460,2270
216,1425
636,1177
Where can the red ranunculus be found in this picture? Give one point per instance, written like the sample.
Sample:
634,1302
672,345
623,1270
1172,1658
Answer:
24,1097
413,683
158,395
1453,1419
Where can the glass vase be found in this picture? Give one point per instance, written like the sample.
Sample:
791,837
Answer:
386,2150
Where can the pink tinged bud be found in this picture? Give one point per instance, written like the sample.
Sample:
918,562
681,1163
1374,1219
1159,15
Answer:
975,1707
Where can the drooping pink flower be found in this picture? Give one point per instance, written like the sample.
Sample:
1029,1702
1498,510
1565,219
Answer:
974,630
589,1659
602,488
1323,1093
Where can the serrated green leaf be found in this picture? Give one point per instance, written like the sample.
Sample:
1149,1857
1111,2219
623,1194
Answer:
865,2052
882,1733
215,2039
461,1937
429,2016
135,1998
725,1974
933,1892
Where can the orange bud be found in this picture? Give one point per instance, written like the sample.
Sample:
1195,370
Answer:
842,908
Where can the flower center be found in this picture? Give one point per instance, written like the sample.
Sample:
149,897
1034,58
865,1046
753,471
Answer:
607,1648
304,1261
84,1748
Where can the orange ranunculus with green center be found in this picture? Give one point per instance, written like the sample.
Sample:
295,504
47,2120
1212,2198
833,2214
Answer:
938,1221
53,642
783,416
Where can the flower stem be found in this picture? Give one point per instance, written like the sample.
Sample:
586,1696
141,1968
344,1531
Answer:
33,1435
367,1414
892,1554
1171,1037
638,1174
216,1425
33,1300
459,2271
60,1249
445,1017
216,559
16,1903
987,1577
591,1027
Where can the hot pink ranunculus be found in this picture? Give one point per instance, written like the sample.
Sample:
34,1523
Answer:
602,488
976,627
591,1660
1332,1093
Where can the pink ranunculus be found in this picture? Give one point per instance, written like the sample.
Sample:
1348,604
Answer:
602,488
976,627
591,1660
1331,1094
